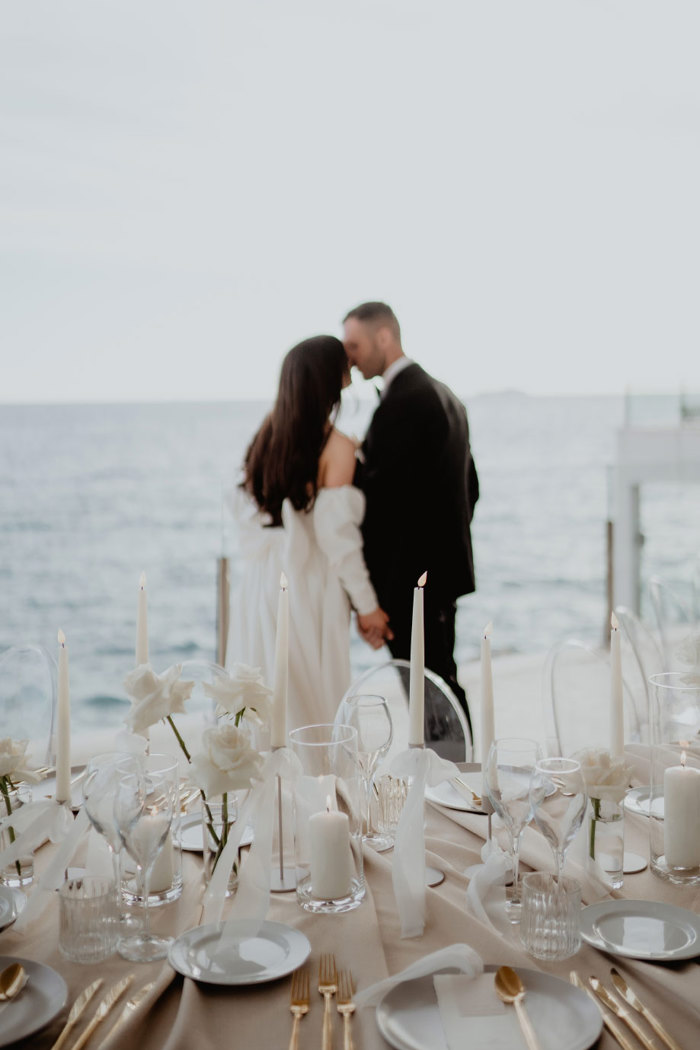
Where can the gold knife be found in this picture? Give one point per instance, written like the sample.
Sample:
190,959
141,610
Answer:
610,1023
77,1011
624,1015
633,999
128,1009
103,1009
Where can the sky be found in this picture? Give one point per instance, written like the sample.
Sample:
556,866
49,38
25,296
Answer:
189,188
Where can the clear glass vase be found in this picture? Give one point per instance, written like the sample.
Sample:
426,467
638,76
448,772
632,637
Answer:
605,828
219,815
21,871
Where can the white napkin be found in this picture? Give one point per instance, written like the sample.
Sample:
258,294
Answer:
424,766
456,956
55,873
484,879
473,1015
34,823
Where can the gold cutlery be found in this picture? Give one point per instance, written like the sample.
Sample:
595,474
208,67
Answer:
510,989
327,986
345,1006
612,1004
610,1023
77,1011
129,1006
476,799
636,1003
298,1003
104,1008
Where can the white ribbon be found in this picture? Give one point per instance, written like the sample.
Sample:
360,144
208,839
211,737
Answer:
484,877
422,766
33,824
456,957
55,873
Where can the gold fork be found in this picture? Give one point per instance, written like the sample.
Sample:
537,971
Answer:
346,1007
298,1003
327,986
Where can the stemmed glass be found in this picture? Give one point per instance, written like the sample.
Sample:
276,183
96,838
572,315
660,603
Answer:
558,798
102,775
509,767
144,805
369,715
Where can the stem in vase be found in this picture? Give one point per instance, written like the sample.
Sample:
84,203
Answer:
595,802
8,806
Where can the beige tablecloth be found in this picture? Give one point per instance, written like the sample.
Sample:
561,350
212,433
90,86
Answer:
180,1014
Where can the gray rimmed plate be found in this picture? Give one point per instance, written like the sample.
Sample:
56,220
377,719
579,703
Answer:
650,930
249,952
42,998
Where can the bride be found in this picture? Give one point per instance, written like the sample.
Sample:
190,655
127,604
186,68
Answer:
298,513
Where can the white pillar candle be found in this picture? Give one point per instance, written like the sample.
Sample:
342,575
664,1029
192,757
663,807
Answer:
416,695
682,816
329,844
487,716
617,723
63,792
278,727
142,624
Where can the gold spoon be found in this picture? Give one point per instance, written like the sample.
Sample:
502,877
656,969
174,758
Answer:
510,989
476,799
12,981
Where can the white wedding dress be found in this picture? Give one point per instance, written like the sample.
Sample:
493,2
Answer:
320,553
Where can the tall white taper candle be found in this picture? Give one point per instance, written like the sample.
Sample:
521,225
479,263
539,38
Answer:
278,728
63,724
416,694
488,731
617,725
142,624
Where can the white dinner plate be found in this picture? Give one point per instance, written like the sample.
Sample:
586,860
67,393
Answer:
642,929
446,794
190,834
252,954
638,800
563,1016
43,996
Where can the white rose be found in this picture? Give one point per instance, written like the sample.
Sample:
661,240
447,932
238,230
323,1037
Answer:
13,756
244,687
688,650
228,761
154,697
606,777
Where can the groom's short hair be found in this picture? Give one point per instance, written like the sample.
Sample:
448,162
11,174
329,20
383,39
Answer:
378,314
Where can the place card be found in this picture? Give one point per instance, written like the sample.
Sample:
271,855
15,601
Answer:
473,1015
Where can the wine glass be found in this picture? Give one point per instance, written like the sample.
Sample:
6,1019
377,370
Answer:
509,767
102,774
369,715
144,806
558,798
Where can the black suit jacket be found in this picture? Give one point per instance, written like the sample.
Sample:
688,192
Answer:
421,485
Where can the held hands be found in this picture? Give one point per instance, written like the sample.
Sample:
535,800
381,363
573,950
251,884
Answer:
374,628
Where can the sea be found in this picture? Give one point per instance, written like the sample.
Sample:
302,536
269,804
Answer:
92,495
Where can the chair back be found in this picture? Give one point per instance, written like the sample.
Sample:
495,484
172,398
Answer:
641,658
674,619
576,692
28,675
445,725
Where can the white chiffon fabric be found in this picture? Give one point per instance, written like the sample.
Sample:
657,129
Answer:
320,553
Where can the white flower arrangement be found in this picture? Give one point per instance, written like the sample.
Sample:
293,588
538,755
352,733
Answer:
155,697
13,768
606,777
228,761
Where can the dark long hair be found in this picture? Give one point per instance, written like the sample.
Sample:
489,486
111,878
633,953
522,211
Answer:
282,459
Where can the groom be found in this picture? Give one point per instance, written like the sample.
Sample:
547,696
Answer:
418,476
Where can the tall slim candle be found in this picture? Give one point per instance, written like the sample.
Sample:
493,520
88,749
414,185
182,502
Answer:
142,624
63,793
487,716
278,728
416,694
617,725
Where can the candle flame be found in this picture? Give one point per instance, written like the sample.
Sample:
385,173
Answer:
423,579
488,629
328,803
61,637
683,759
284,582
614,622
142,581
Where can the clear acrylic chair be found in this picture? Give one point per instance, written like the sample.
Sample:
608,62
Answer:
445,725
28,700
576,693
641,658
674,619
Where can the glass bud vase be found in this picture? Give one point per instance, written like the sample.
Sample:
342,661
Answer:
674,811
21,871
218,818
605,840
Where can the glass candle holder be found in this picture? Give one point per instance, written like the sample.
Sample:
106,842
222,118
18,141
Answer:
674,815
328,819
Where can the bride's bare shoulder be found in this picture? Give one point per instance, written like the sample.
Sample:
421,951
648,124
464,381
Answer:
337,464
